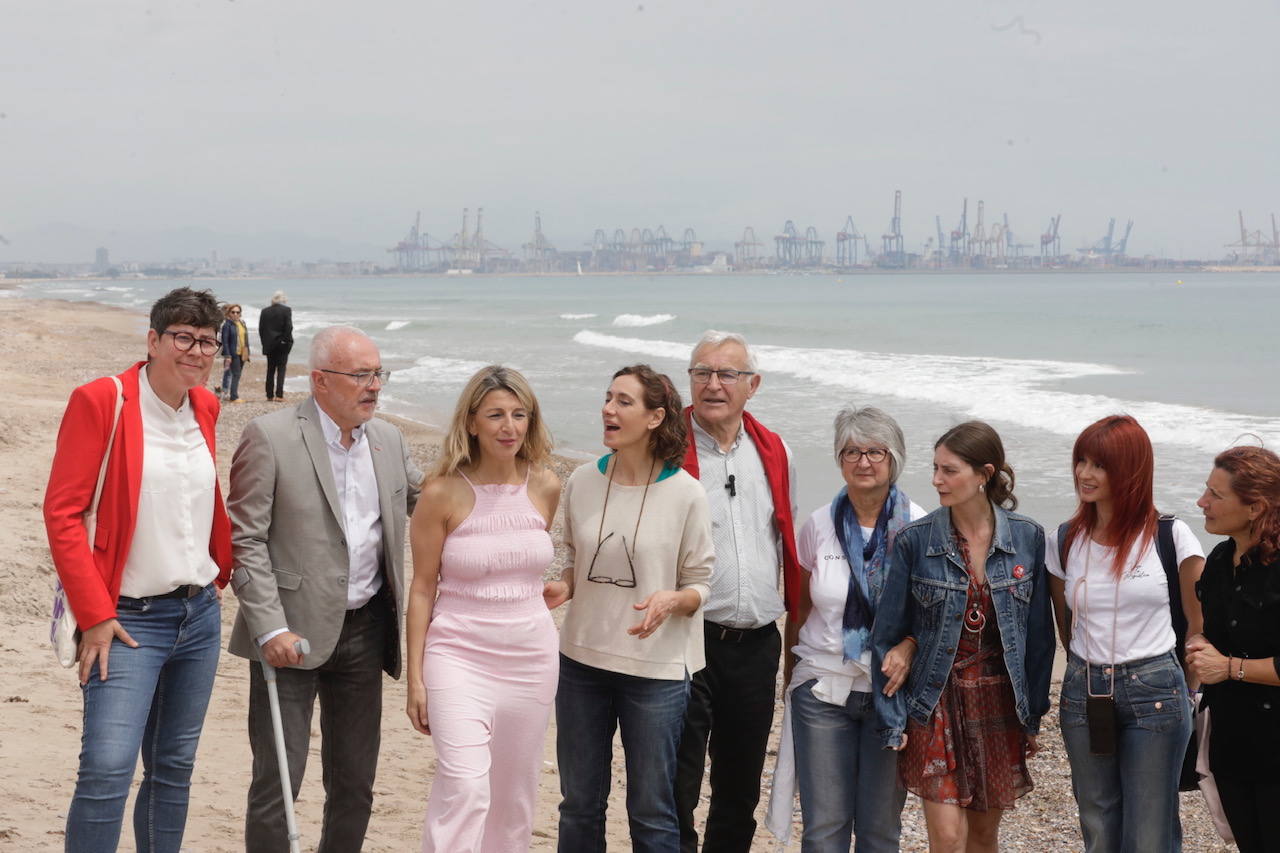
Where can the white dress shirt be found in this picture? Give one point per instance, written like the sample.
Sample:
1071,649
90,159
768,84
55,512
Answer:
170,545
357,489
744,582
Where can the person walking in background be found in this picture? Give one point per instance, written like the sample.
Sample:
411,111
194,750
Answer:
235,352
967,584
482,647
848,782
275,330
146,591
1237,658
1112,599
638,542
320,497
749,478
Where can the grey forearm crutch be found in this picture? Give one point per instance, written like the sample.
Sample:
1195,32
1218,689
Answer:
302,647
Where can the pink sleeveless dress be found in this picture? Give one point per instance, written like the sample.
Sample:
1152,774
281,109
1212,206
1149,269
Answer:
490,667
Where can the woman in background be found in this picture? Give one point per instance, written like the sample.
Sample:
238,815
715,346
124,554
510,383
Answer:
967,585
638,537
235,352
1238,656
481,643
1112,603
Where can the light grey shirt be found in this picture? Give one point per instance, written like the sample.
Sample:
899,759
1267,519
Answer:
745,580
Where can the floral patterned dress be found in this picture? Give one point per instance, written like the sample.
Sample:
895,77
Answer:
972,752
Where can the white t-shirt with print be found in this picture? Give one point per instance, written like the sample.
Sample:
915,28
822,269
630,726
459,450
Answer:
1139,609
821,638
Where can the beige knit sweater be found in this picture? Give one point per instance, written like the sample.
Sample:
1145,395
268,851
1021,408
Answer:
672,550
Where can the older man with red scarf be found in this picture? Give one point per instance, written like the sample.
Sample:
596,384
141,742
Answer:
749,477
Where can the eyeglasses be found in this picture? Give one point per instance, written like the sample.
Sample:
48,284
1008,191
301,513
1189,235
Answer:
702,375
628,583
184,341
364,380
236,311
874,455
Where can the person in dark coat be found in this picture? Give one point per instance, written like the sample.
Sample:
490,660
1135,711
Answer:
275,328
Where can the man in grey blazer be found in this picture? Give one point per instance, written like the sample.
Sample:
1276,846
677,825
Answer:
319,499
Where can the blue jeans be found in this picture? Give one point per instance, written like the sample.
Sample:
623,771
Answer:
153,700
591,704
230,384
1129,801
848,782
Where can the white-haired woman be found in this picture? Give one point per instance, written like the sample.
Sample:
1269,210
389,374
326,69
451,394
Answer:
848,783
482,647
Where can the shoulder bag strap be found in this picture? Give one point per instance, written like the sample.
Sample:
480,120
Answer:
91,517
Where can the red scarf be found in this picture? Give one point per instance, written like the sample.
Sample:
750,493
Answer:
773,455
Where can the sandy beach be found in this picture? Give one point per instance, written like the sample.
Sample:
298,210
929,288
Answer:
46,349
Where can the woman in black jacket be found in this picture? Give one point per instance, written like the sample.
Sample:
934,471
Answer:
1238,656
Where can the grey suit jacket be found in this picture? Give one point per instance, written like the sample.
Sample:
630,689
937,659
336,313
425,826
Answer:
286,530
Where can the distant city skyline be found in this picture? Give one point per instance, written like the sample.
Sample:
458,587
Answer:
329,125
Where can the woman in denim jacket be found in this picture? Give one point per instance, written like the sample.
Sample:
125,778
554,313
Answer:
968,584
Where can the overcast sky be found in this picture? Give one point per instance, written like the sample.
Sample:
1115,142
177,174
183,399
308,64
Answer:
341,119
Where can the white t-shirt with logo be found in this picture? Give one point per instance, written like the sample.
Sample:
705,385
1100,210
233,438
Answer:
1138,610
820,643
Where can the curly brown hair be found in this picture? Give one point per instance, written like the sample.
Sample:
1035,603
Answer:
1255,478
667,441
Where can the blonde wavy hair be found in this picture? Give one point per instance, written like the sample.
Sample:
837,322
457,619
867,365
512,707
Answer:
461,448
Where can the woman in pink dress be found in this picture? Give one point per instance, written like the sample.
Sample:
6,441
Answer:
482,647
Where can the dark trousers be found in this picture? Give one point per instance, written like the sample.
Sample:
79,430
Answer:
349,685
730,712
277,360
1253,810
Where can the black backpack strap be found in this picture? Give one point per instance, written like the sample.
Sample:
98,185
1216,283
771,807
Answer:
1062,546
1169,559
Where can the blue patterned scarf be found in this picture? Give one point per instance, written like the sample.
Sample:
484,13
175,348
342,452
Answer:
865,559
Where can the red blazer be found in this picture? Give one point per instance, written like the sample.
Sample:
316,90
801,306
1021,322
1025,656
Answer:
92,576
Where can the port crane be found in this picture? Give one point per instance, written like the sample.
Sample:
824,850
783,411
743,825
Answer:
1050,241
893,255
847,244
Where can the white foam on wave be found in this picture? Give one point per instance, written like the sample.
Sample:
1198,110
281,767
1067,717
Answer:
396,324
429,368
634,320
577,316
1012,391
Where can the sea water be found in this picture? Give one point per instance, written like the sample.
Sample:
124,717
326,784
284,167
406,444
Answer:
1037,356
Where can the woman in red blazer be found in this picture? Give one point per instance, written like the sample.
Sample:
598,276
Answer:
146,591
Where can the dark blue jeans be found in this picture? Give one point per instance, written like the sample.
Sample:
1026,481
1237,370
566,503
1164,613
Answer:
1129,801
231,378
848,782
153,701
591,704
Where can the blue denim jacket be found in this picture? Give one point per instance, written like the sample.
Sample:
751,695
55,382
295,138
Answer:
924,595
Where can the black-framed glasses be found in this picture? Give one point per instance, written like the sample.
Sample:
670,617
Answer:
184,341
365,379
874,455
628,583
702,375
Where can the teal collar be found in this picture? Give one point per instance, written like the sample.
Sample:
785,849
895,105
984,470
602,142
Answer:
667,470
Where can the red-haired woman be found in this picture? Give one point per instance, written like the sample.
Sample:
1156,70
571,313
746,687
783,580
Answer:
1126,716
1238,656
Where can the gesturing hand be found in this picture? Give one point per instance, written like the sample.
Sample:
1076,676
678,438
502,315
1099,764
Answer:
657,607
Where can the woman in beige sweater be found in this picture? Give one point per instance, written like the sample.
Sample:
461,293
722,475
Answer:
639,561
